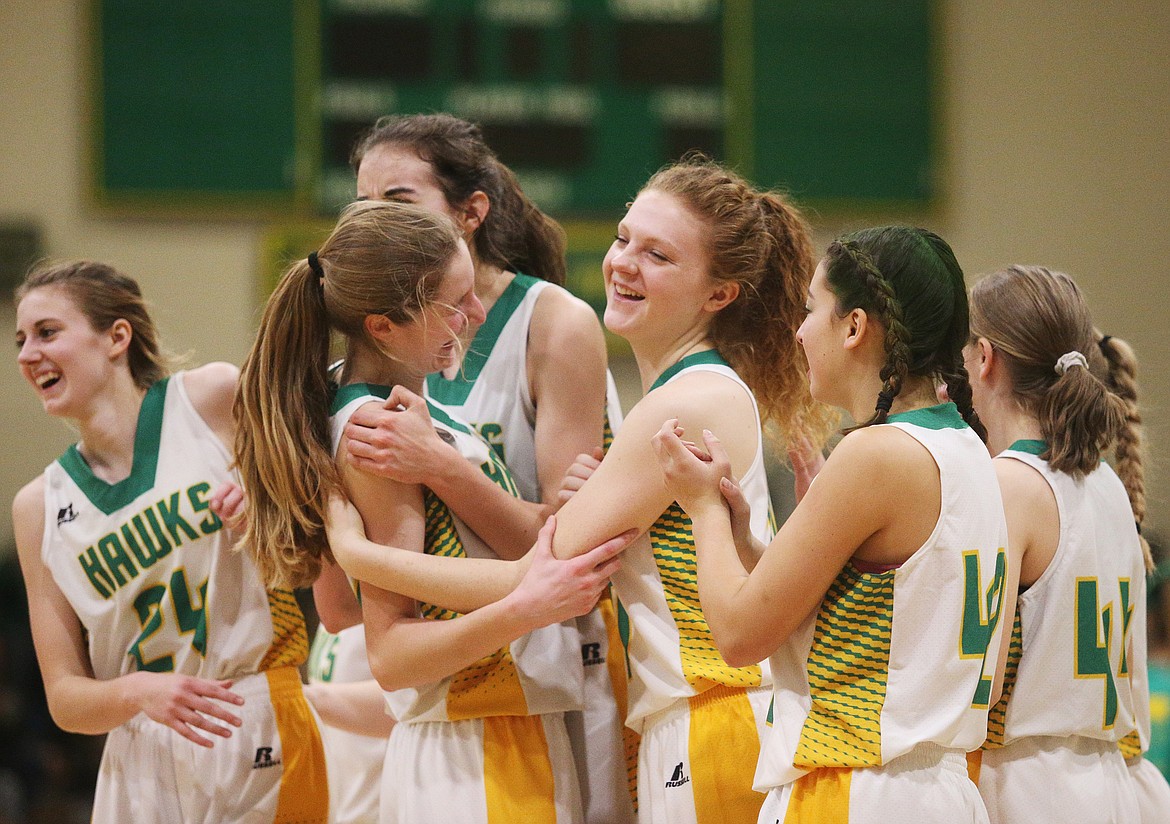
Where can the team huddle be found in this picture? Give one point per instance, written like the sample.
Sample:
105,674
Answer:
537,609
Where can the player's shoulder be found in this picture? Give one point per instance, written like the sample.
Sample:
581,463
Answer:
1020,481
559,312
883,451
211,388
28,513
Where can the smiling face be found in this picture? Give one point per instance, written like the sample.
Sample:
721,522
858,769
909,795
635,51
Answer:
657,270
430,342
59,353
394,173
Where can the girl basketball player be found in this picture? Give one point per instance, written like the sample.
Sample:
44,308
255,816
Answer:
147,626
533,382
1078,687
878,600
479,698
705,279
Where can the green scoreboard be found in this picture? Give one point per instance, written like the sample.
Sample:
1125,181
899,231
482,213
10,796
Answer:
255,106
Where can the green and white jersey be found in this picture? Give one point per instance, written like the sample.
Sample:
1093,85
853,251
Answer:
491,389
538,673
671,652
894,658
1079,665
150,570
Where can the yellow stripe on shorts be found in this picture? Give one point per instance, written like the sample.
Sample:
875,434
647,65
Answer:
615,664
517,772
304,788
819,796
723,748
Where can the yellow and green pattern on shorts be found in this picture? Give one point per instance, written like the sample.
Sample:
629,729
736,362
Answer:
674,553
290,638
490,686
997,716
848,667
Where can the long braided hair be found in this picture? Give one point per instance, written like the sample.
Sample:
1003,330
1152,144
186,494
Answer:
909,279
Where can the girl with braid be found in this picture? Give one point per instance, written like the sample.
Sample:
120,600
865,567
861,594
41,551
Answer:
1076,702
879,598
705,279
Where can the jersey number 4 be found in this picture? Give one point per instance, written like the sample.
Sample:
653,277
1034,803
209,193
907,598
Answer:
981,611
189,618
1094,640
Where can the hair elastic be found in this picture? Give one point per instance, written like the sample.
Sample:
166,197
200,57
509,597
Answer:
1069,360
1103,344
885,401
316,266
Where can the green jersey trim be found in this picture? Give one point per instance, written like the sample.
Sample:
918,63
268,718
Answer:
706,356
352,391
109,498
1030,446
456,390
940,416
439,414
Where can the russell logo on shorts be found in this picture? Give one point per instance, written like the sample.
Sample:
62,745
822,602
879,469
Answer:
591,655
264,759
677,779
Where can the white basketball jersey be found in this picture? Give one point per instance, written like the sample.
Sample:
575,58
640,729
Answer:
892,659
150,570
671,653
491,389
1082,668
538,673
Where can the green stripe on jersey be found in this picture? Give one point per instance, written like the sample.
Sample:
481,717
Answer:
706,356
109,498
940,416
352,391
456,390
1029,446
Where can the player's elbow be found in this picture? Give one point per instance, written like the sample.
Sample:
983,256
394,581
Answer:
740,646
72,719
395,669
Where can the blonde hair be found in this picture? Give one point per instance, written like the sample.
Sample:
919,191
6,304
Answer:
381,259
762,242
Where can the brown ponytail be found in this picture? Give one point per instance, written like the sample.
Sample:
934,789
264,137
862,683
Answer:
1034,317
382,258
